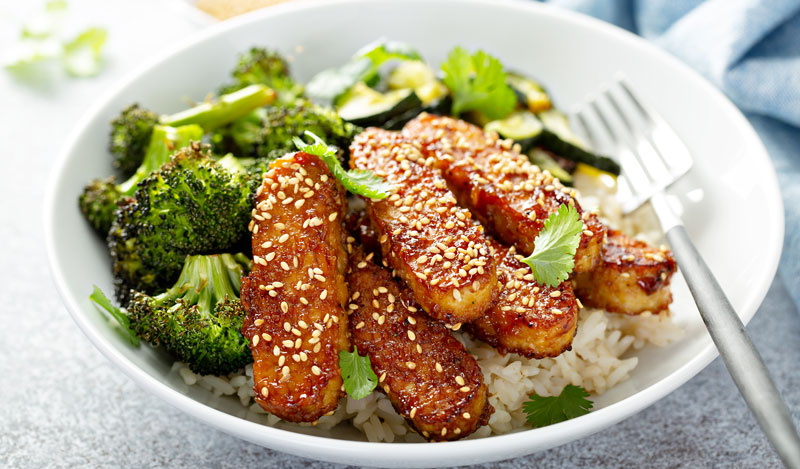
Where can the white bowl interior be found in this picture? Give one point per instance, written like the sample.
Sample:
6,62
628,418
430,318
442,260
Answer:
571,55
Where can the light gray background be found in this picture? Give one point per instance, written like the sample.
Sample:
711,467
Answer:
62,404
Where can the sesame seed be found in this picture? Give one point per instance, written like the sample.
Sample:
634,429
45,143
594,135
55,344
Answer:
460,380
555,294
464,389
285,370
413,412
255,340
360,325
457,295
264,391
439,367
276,351
315,369
284,266
288,343
332,216
323,295
466,415
285,307
283,238
317,348
411,335
382,378
296,332
411,365
266,337
258,322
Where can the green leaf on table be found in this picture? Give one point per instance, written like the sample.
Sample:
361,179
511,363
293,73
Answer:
82,55
359,379
357,181
46,23
553,256
541,411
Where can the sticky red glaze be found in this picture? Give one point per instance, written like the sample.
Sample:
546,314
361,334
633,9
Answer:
509,195
429,240
300,236
404,346
633,277
526,318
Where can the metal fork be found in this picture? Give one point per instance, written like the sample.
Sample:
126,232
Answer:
653,157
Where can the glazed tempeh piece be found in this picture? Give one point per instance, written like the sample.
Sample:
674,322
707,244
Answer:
633,277
431,242
295,294
529,319
428,375
508,194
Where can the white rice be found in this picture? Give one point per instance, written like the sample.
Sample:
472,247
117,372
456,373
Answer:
602,355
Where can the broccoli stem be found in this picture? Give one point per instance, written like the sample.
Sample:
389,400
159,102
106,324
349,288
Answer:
205,280
227,108
163,142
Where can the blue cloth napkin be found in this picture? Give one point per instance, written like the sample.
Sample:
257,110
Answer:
750,49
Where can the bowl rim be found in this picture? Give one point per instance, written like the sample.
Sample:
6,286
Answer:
411,454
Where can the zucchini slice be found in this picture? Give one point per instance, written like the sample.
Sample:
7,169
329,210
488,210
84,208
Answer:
549,130
530,94
544,161
418,76
521,126
365,107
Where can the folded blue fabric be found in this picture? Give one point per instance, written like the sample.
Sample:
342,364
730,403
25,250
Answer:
750,49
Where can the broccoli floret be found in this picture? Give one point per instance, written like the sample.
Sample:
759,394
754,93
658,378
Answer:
198,319
131,130
130,135
266,67
267,133
100,197
189,206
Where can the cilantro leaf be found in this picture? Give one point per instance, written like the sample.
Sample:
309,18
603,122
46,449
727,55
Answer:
478,83
542,411
359,379
102,301
357,181
82,54
553,256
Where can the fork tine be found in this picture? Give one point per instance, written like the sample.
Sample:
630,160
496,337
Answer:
651,159
638,179
624,189
661,136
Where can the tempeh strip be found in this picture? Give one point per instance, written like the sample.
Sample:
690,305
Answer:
295,294
633,277
528,318
508,194
428,375
429,240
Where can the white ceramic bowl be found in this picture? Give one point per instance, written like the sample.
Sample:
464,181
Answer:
731,201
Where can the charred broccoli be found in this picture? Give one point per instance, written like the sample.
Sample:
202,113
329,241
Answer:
267,133
198,319
131,130
191,205
266,67
100,197
130,135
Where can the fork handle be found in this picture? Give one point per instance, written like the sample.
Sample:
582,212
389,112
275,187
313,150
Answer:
740,356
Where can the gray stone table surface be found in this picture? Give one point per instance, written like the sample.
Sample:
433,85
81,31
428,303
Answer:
62,404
